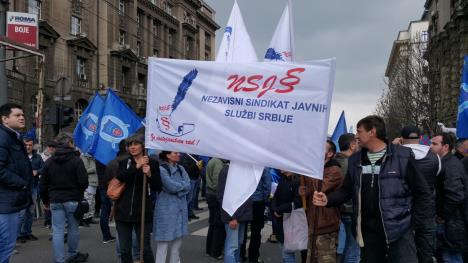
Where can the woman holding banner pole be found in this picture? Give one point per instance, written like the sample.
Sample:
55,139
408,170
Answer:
128,208
170,214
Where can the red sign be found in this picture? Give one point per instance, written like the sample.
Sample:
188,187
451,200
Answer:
23,28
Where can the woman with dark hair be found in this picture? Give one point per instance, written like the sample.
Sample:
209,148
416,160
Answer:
170,214
128,206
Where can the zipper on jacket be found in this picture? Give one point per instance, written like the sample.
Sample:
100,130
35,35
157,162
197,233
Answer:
380,208
133,191
373,175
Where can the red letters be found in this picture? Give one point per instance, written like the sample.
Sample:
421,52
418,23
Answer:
254,82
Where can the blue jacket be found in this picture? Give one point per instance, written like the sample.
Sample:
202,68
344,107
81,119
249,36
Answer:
15,173
36,164
400,186
262,193
170,210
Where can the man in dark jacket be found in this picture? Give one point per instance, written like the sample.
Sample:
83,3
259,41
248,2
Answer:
235,224
392,191
27,215
450,196
429,165
15,177
62,186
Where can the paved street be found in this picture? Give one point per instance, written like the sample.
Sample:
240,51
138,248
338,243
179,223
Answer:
193,246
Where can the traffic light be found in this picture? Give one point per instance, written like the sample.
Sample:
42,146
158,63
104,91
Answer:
66,114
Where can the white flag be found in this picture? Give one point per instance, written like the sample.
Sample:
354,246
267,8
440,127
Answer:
281,47
236,46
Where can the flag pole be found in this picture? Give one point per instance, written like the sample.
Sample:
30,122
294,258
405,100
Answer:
143,212
291,30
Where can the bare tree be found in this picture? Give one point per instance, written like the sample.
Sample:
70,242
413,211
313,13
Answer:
408,98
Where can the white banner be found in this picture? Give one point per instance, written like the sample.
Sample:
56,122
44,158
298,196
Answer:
268,114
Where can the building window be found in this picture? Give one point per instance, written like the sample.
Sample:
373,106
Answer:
138,49
167,7
424,36
80,105
121,7
125,71
75,26
122,36
171,38
155,53
81,68
207,56
140,18
156,27
34,7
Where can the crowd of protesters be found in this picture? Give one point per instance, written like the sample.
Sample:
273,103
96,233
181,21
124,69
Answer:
378,201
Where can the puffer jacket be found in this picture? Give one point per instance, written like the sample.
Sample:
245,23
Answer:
15,173
329,217
400,185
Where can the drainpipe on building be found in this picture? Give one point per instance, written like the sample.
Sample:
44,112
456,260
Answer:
3,79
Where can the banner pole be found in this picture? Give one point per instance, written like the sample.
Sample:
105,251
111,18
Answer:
143,211
291,30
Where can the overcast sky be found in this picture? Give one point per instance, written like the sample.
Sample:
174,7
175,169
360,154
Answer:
358,33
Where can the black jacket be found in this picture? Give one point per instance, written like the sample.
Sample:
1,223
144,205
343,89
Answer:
190,166
287,192
64,177
15,173
450,197
128,206
244,213
401,189
450,192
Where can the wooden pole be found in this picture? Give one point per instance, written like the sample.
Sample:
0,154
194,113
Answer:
304,200
143,211
313,250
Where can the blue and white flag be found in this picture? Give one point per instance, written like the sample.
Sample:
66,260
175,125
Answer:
85,134
462,120
340,129
282,44
118,121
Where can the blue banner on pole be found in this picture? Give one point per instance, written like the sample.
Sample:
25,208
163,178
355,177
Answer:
462,120
85,134
340,129
118,121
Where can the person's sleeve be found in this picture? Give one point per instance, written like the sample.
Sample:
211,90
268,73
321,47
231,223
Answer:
420,191
41,165
155,179
454,193
342,194
266,184
172,185
82,175
8,178
44,183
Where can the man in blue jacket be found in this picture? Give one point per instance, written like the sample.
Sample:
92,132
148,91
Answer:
388,193
15,177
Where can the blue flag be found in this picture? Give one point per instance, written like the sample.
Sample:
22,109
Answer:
462,120
340,129
85,134
118,121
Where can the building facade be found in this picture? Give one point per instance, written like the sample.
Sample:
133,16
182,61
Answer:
448,43
95,45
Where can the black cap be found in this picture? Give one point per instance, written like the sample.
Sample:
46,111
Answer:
410,132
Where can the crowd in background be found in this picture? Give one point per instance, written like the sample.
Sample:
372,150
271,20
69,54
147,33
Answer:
379,200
